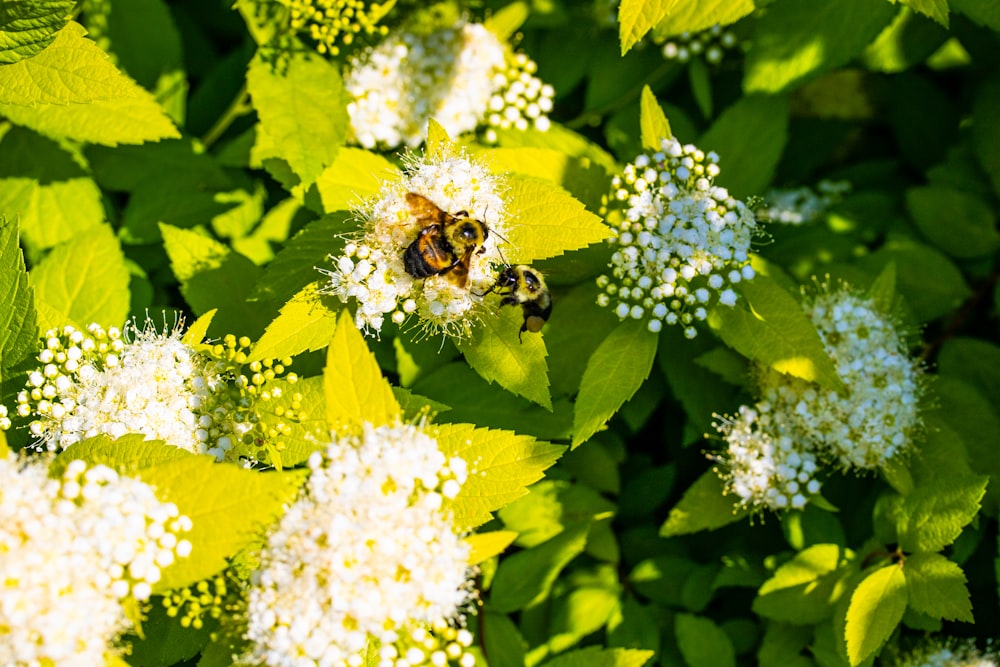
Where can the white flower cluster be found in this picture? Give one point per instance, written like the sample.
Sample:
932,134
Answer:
950,652
682,243
330,23
71,551
872,420
712,43
798,206
370,552
521,99
372,271
101,383
762,465
457,75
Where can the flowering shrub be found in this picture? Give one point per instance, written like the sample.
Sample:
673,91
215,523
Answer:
623,333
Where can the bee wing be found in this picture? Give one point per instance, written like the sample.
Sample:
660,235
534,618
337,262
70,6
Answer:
424,210
459,272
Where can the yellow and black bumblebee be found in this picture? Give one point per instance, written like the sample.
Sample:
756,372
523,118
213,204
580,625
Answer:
445,243
523,286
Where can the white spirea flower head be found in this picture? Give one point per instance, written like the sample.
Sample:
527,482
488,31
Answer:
141,381
764,467
461,75
711,44
799,206
876,416
682,242
369,552
949,652
101,383
70,551
372,271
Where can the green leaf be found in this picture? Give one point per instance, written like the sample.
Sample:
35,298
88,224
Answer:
937,587
549,507
702,642
876,607
750,138
784,645
172,165
933,516
982,12
595,656
229,508
354,175
770,327
143,37
306,323
517,364
29,26
43,185
502,465
930,282
303,111
697,15
614,373
653,122
353,385
959,223
501,640
545,221
904,44
799,39
213,276
18,328
804,590
506,21
295,266
71,70
125,120
975,361
637,17
634,627
526,577
704,506
937,10
128,455
165,640
85,279
883,289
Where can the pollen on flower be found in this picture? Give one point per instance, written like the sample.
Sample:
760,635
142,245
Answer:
71,550
460,75
371,271
368,552
762,465
681,243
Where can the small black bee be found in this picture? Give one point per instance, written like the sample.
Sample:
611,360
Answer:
445,243
522,285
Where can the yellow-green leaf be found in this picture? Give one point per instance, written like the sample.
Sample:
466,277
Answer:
488,545
877,605
637,17
614,373
545,221
198,330
653,122
506,21
697,15
304,324
438,143
936,10
71,70
502,465
516,363
29,26
354,175
353,385
704,506
18,320
937,587
85,279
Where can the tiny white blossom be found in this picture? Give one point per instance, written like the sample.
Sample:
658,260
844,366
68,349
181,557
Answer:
367,553
682,242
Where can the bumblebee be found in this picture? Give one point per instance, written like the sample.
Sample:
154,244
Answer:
522,285
445,243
